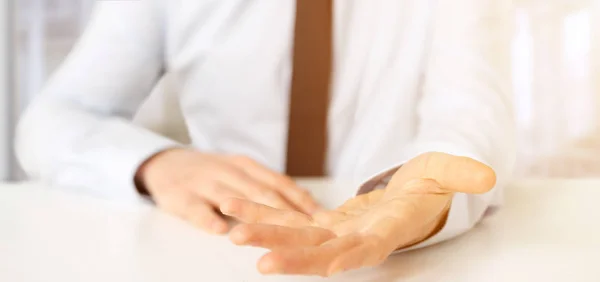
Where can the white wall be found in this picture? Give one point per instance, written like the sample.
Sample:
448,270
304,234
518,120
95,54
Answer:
5,95
556,88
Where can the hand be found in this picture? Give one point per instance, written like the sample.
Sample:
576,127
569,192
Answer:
366,229
191,185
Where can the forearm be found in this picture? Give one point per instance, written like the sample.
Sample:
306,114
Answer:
68,145
77,132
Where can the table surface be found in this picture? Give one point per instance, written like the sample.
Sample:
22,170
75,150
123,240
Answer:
548,230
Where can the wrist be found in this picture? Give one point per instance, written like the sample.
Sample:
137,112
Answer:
147,168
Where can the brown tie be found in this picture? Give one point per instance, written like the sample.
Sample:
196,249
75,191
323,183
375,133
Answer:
309,99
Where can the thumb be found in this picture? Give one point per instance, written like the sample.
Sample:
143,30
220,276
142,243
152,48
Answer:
453,173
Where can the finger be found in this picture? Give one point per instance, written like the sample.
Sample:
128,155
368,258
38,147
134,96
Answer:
307,260
299,197
367,254
274,237
216,194
195,211
462,174
203,215
250,212
456,174
241,182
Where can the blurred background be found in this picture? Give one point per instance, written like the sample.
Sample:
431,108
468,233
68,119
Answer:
556,79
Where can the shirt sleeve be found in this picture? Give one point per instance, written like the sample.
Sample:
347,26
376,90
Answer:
77,132
466,107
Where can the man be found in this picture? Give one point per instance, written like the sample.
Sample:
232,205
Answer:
418,104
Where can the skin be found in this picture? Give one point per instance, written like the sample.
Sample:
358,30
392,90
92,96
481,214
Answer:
192,185
365,230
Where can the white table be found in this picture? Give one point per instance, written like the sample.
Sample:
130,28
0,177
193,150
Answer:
547,231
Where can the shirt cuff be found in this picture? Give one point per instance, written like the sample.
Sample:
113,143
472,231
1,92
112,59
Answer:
107,168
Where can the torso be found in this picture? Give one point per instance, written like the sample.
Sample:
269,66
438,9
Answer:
232,63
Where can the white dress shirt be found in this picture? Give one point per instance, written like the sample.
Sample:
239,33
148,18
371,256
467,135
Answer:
411,76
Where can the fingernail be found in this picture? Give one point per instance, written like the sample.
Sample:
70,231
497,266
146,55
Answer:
226,208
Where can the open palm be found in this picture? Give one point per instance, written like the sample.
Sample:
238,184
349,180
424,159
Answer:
366,229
